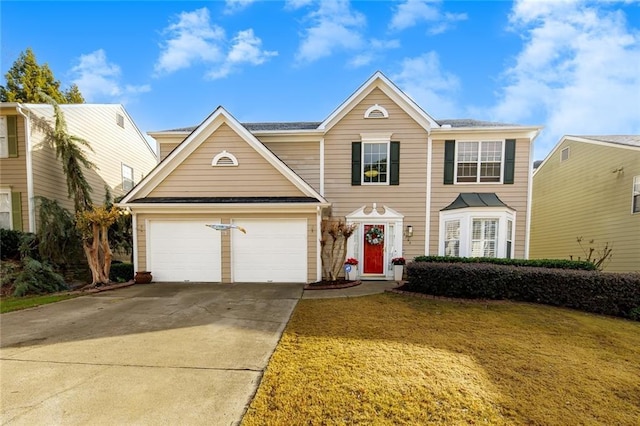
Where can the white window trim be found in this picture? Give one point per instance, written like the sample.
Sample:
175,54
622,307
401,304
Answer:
477,182
375,138
8,192
374,108
466,217
635,181
224,154
4,137
133,182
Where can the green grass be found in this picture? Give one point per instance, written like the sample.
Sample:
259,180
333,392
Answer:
9,304
392,359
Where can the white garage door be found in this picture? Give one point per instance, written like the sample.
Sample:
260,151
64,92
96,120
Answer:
184,251
271,251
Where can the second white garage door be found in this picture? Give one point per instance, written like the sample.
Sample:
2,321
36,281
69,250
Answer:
271,250
184,251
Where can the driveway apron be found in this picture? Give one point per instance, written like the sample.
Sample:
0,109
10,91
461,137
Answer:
169,354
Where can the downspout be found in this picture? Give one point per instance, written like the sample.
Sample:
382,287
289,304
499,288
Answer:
427,233
322,167
30,194
529,196
134,226
318,244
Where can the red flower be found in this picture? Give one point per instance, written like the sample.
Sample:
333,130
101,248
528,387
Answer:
351,261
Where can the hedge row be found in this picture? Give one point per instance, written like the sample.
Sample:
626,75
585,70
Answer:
541,263
591,291
121,272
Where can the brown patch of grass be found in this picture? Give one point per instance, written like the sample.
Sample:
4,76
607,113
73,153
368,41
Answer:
391,359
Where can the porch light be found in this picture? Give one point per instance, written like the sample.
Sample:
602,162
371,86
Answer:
409,232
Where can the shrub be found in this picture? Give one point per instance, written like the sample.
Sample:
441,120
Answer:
37,278
121,272
591,291
10,244
542,263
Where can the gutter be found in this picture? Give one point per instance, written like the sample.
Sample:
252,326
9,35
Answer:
30,192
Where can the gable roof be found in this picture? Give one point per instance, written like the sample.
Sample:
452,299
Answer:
218,117
380,81
615,141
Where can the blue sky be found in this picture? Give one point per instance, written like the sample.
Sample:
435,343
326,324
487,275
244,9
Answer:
571,66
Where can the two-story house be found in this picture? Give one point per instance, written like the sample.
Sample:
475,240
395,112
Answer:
589,187
411,184
29,168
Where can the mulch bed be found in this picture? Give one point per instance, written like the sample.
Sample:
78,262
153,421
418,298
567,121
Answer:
332,285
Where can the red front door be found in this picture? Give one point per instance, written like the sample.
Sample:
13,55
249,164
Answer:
373,250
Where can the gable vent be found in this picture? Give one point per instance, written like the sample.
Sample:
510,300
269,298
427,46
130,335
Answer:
120,120
224,159
376,111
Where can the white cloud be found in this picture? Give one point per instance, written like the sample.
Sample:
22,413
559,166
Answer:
424,80
334,26
412,12
245,48
234,6
371,51
190,40
194,39
99,80
578,69
297,4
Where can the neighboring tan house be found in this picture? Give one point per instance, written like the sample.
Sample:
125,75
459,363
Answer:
29,168
379,161
589,187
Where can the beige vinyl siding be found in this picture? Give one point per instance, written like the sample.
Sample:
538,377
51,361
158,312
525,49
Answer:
312,236
302,157
515,195
166,148
409,197
583,197
196,177
13,171
111,145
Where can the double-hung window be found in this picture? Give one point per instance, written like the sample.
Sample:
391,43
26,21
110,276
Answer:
479,161
484,237
452,238
127,178
5,209
374,161
635,203
4,137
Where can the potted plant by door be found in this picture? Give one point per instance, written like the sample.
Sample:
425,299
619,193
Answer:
351,269
398,267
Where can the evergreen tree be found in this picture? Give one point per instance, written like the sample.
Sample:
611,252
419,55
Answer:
29,82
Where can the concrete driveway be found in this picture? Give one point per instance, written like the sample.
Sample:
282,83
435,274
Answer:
169,354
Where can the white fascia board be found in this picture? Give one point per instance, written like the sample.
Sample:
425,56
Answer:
529,132
183,208
380,81
160,134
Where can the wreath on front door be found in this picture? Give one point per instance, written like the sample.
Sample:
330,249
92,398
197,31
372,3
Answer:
374,236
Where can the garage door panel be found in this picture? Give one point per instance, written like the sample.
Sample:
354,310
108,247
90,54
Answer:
270,251
184,251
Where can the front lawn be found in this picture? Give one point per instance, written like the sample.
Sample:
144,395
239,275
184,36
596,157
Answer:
8,304
393,359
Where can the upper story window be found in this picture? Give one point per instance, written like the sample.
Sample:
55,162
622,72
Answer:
635,204
127,178
479,161
4,138
374,161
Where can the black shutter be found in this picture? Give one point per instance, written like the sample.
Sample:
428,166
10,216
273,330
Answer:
394,178
356,163
12,135
449,161
509,160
